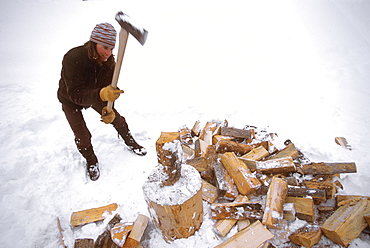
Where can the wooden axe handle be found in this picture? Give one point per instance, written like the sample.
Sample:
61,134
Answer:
123,36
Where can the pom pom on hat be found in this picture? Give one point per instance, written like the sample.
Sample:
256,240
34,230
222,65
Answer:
104,34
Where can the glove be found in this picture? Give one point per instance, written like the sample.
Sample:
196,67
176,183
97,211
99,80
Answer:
107,117
109,94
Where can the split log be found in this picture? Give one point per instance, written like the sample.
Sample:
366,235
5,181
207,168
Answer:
238,133
242,224
343,142
275,203
225,183
120,232
218,137
276,166
256,154
84,243
91,215
176,210
188,152
185,136
209,192
289,211
244,180
305,209
237,211
225,145
288,151
223,227
223,124
210,126
211,158
306,236
61,239
346,223
169,154
196,128
251,237
134,238
299,191
251,164
199,163
329,187
105,240
328,168
349,199
367,218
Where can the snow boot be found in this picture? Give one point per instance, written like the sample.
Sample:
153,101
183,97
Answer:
92,165
132,145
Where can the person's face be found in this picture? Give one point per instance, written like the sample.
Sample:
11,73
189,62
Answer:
103,52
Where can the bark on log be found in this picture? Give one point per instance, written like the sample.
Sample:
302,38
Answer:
282,165
297,191
223,227
237,133
84,243
251,237
329,187
209,192
328,168
305,209
306,236
256,154
346,223
169,155
288,151
275,203
185,136
225,145
244,180
225,183
237,211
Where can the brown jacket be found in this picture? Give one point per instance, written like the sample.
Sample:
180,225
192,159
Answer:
81,79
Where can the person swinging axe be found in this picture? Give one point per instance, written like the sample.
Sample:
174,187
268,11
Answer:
86,76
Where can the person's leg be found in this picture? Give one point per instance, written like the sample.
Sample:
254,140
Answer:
82,139
123,130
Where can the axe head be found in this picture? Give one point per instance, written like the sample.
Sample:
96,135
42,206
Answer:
130,26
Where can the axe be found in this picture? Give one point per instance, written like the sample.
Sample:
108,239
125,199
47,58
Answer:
127,26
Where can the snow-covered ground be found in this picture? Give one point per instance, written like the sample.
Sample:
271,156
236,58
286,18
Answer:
299,68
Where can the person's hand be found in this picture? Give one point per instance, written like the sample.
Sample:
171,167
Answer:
110,94
107,117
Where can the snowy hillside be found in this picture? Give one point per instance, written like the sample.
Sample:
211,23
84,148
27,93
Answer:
298,68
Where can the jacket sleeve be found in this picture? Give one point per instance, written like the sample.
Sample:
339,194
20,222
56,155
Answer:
79,85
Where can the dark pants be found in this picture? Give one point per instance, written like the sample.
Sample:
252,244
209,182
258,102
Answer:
79,128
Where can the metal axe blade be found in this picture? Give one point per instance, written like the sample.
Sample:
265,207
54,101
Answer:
130,26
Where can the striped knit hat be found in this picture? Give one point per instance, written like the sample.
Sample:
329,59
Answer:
104,34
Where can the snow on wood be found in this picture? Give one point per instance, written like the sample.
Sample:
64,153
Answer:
223,227
346,223
138,228
251,237
245,181
307,236
328,168
92,215
275,199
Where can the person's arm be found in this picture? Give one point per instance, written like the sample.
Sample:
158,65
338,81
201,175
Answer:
78,89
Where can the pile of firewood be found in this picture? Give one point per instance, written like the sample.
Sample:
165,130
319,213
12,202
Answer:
259,186
251,183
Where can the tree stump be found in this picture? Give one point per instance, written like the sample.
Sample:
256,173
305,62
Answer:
175,206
